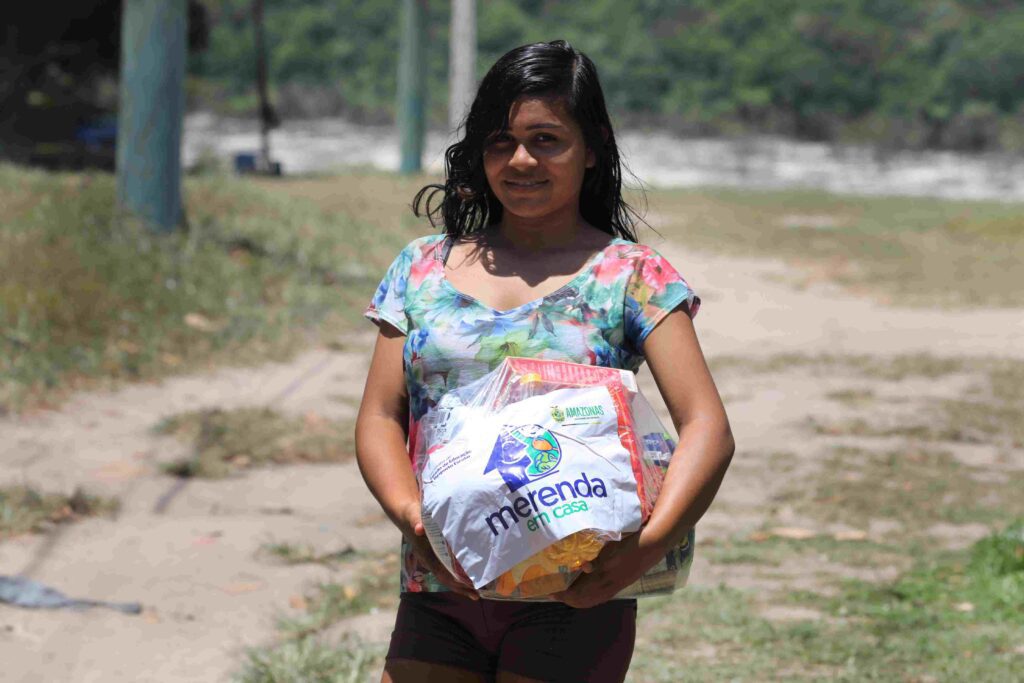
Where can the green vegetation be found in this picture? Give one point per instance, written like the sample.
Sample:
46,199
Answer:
890,368
955,421
954,616
990,412
993,413
887,599
225,441
899,249
332,602
25,510
765,548
310,661
270,266
895,249
916,487
852,397
911,72
86,297
987,581
919,482
304,553
306,653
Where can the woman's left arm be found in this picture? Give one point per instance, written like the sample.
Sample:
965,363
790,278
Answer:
698,465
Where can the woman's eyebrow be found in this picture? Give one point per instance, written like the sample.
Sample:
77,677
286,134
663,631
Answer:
544,125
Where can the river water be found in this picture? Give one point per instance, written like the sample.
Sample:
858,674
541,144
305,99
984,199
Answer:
658,159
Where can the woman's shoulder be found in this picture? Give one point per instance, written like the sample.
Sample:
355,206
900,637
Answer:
425,245
624,250
420,249
638,267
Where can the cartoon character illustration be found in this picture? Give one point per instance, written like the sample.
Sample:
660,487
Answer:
523,454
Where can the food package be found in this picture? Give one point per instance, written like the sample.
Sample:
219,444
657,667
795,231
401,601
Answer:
528,472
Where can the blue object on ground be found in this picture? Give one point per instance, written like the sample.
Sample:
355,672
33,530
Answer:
97,134
23,592
245,163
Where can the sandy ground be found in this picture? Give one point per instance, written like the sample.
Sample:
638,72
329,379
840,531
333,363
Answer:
188,552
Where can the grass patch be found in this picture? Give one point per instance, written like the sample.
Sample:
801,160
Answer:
330,602
852,398
891,368
862,427
988,413
310,661
904,249
986,583
984,422
994,415
774,551
916,487
270,265
991,415
304,653
304,553
951,420
722,638
226,441
953,617
25,510
263,270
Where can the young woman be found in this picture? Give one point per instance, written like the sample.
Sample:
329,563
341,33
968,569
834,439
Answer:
538,258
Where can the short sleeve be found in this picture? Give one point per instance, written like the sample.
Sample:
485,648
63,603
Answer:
388,302
654,290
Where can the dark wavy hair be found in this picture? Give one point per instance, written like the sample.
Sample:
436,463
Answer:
554,69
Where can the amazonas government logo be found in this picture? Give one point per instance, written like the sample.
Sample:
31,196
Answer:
523,454
582,414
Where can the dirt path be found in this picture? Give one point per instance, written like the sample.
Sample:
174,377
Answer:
188,552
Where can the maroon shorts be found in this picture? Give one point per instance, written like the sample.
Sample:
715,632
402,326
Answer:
548,641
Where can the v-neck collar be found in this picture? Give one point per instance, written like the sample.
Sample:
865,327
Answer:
446,245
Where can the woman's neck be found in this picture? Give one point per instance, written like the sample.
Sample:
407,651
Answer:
547,232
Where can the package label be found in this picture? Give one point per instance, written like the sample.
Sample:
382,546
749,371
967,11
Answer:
506,484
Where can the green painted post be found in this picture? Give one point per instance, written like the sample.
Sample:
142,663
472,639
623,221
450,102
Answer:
412,75
461,61
152,104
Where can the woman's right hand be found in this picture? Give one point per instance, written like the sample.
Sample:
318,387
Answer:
412,529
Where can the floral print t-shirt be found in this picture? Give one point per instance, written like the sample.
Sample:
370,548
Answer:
600,317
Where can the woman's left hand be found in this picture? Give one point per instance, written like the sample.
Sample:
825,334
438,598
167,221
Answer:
618,565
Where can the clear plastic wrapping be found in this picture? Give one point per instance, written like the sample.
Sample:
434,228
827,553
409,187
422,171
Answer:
526,473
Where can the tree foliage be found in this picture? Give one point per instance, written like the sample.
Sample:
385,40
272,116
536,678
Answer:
936,73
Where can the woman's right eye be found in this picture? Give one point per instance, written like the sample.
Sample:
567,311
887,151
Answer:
498,139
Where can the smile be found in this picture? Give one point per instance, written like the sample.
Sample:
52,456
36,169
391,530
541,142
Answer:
525,185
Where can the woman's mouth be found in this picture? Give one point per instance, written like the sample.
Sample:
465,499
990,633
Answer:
524,184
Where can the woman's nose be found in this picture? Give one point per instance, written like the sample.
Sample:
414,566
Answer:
522,158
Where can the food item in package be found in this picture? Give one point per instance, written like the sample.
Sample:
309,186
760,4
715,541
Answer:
545,572
528,472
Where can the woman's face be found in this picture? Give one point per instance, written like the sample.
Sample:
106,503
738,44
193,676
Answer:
536,167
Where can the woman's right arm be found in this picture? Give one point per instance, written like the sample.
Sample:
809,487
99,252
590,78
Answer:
381,452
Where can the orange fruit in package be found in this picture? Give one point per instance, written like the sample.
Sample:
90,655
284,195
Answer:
505,584
539,581
546,571
572,551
